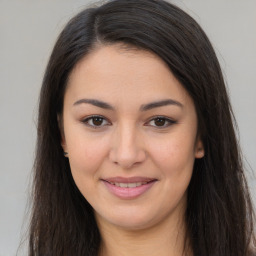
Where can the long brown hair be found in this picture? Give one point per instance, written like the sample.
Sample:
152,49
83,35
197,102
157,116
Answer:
219,213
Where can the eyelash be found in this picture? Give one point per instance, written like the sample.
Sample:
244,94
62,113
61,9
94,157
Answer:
86,121
90,118
168,120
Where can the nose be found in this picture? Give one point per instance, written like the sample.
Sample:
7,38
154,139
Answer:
127,147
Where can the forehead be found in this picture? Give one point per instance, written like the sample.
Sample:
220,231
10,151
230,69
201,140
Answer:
121,74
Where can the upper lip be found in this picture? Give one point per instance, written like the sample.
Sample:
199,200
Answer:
128,179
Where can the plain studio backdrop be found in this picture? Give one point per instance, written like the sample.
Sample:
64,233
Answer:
28,30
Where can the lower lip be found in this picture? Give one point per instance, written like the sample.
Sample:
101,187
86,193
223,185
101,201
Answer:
128,193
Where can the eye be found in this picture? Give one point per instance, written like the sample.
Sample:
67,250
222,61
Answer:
95,121
161,122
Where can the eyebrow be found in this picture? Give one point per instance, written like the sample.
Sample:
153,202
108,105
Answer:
97,103
144,107
160,103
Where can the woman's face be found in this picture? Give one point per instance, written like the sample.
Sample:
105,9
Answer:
130,130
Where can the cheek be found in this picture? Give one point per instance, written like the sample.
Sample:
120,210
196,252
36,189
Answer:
86,155
174,155
174,159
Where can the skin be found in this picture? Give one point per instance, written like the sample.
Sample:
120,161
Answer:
129,142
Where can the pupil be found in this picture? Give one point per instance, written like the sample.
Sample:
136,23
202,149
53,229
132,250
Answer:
97,121
160,121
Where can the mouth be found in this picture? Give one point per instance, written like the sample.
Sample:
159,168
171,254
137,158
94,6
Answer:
128,188
129,185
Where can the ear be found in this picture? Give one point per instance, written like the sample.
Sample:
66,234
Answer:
61,128
199,148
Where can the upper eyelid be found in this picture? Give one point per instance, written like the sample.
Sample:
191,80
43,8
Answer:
86,119
161,116
92,116
151,118
164,117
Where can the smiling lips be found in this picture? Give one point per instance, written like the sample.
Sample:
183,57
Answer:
128,188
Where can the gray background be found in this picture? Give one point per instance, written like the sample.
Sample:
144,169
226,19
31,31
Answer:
28,30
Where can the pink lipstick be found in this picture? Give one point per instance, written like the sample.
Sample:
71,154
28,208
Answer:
128,188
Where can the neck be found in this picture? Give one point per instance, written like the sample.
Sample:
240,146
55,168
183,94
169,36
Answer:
165,239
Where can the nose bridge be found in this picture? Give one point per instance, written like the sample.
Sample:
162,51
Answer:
126,145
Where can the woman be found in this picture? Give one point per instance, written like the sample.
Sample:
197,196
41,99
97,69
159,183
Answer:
136,151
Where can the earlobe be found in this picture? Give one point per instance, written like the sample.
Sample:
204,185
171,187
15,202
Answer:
199,150
63,140
64,146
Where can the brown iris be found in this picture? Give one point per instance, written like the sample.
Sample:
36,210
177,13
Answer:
160,121
97,121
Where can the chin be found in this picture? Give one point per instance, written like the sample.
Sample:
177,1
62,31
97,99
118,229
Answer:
132,219
132,224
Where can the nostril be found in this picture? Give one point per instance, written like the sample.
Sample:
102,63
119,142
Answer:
126,153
